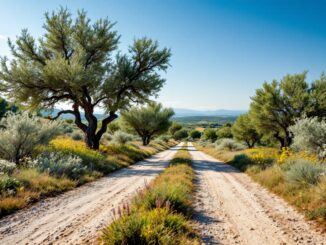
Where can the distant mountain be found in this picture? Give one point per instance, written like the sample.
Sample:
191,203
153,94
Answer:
180,112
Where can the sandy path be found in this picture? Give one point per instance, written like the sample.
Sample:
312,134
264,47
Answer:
77,216
231,209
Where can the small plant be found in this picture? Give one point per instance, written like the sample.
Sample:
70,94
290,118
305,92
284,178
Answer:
230,145
305,173
6,167
180,134
21,133
76,136
59,164
8,184
121,137
195,134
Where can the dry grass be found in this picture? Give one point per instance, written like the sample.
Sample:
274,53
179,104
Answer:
158,213
264,165
35,185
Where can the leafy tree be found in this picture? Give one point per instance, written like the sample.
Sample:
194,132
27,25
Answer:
210,134
174,128
148,121
21,133
180,134
224,132
310,135
243,129
275,107
73,63
195,134
6,107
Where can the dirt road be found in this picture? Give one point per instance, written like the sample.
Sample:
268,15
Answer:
232,209
77,216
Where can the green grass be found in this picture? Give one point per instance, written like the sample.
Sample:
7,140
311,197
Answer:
159,213
34,184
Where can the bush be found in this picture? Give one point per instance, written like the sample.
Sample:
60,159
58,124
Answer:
224,132
6,167
195,134
59,164
230,145
8,184
241,161
121,137
310,135
164,138
158,226
210,134
77,136
67,129
180,134
22,133
305,173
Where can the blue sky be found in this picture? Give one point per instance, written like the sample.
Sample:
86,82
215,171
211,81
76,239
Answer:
222,50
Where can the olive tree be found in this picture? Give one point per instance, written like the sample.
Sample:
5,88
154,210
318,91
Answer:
149,120
277,105
243,129
73,63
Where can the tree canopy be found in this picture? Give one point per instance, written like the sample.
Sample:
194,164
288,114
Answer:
243,129
74,62
148,120
277,105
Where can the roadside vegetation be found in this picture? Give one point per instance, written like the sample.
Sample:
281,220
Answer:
280,142
77,62
158,214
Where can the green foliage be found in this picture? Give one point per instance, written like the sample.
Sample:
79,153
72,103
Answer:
195,134
174,128
210,134
241,161
275,107
73,63
76,135
113,127
6,107
229,144
148,121
121,137
305,173
224,132
59,164
310,135
180,134
6,167
244,129
22,133
8,184
158,226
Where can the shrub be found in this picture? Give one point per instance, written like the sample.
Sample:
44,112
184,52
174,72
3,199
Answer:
195,134
67,129
224,132
76,136
121,137
94,160
158,226
210,134
8,184
22,133
310,135
164,138
6,167
59,164
229,144
43,183
241,161
180,134
305,173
